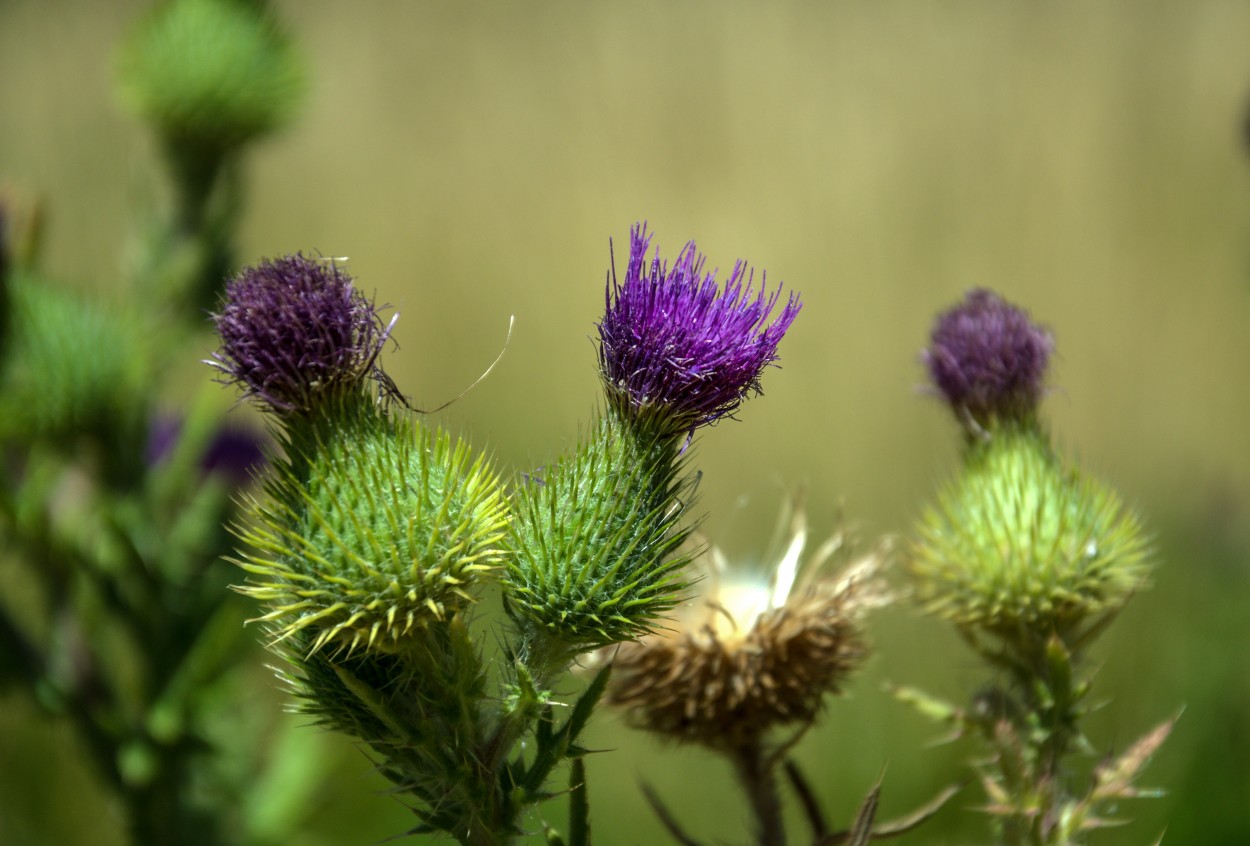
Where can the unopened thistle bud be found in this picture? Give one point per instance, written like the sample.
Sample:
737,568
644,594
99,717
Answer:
211,75
297,333
748,658
988,360
379,528
675,349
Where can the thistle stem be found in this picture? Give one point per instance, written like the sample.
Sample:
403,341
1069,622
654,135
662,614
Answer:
1043,730
757,773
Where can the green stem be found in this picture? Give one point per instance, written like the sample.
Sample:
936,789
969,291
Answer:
1043,728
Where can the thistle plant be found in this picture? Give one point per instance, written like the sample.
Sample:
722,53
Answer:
377,534
115,618
1031,559
368,544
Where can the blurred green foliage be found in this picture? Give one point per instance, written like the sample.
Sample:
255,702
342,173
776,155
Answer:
1085,159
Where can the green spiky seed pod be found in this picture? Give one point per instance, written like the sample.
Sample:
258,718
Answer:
374,527
595,539
1019,540
210,74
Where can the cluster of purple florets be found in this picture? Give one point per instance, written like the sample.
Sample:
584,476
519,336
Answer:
296,329
674,346
988,359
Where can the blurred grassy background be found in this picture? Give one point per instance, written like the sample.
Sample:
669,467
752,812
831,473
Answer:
1085,159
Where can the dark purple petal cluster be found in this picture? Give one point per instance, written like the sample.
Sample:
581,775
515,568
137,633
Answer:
296,329
988,358
675,346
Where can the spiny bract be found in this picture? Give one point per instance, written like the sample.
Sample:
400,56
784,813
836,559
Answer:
1020,539
371,531
594,540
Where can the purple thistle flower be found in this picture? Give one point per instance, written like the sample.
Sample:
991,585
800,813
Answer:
988,359
295,329
672,344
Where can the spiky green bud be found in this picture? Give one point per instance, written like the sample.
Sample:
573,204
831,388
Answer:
1021,540
210,74
375,526
76,369
595,539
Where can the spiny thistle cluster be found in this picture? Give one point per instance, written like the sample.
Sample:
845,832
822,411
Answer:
595,537
748,658
375,534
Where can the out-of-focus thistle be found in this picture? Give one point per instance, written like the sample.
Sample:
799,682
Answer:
211,73
118,622
1020,542
77,375
1031,559
210,76
596,536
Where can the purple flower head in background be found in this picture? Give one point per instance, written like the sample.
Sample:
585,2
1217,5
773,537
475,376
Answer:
296,329
675,347
234,453
988,359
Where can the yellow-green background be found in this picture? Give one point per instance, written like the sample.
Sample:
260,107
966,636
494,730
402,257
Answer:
1086,159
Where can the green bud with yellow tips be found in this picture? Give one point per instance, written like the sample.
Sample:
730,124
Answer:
374,527
1021,540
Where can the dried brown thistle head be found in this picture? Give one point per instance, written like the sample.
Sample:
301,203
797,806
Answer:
746,659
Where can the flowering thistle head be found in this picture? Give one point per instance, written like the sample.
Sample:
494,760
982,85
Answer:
988,359
752,656
675,347
1020,542
376,528
296,331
